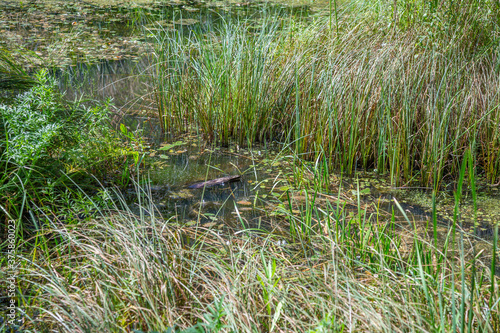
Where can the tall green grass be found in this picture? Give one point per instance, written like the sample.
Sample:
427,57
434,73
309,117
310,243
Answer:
405,90
341,267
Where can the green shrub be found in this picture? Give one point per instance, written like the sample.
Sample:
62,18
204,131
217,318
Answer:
46,143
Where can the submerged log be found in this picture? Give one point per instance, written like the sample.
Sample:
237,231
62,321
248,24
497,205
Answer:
217,181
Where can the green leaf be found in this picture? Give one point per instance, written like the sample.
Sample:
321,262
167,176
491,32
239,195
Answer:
123,129
172,145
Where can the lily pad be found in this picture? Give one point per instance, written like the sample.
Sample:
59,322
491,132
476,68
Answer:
365,191
172,145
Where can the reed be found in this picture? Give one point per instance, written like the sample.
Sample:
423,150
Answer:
405,97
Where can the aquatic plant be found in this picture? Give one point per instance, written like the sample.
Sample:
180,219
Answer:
404,89
12,75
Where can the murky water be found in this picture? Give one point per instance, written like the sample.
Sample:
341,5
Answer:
237,204
417,204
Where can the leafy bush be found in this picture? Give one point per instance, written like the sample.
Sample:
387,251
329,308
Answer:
46,142
40,123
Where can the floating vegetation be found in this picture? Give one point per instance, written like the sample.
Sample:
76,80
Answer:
61,33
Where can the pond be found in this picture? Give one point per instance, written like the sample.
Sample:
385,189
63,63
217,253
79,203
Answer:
267,174
103,51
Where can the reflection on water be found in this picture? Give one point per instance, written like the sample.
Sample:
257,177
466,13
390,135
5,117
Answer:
125,82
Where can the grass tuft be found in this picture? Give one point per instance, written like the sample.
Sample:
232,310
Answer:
404,90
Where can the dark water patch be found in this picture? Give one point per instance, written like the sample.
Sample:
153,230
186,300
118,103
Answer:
231,204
